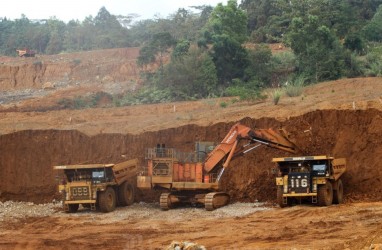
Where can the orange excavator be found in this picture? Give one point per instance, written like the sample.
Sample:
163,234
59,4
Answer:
194,177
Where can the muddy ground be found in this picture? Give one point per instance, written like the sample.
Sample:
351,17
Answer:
237,226
341,118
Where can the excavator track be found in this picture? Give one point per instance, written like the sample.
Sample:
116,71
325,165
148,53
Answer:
215,200
165,201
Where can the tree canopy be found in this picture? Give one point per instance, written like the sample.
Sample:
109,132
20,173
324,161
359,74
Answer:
211,49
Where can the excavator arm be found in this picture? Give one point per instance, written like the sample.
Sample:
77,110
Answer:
228,148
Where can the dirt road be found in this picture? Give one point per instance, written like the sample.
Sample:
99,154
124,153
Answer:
238,226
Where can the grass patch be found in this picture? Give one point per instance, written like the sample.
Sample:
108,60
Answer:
276,95
223,105
295,88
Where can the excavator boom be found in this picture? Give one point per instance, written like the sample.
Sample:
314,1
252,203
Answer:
227,149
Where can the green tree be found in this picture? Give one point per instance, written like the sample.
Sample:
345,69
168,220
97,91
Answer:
319,54
229,20
191,75
56,40
146,55
260,66
338,15
181,49
373,30
226,31
257,11
159,44
110,33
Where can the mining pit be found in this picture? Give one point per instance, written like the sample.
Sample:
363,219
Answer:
28,156
340,118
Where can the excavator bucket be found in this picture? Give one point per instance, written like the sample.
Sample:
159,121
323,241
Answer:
275,139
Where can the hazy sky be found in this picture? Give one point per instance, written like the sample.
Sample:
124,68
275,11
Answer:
78,9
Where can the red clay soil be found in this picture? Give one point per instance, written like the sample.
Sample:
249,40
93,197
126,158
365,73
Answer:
28,156
113,65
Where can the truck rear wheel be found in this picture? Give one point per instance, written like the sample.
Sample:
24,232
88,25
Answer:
73,208
325,194
126,194
107,201
338,193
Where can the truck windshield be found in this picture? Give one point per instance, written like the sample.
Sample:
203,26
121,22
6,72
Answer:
98,174
321,167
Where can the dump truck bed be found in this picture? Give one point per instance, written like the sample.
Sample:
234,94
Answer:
124,170
121,171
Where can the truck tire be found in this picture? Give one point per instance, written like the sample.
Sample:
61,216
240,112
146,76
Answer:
126,194
107,200
325,194
338,194
73,208
280,199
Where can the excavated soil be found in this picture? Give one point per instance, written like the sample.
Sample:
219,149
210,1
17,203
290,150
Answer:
28,156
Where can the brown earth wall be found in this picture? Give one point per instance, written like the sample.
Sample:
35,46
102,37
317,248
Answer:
113,65
27,157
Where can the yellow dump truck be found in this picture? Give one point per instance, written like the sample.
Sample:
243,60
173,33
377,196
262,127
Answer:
314,178
26,52
100,186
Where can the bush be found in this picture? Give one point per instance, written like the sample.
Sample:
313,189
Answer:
374,69
100,98
374,62
295,88
223,104
243,92
283,64
65,103
355,65
284,61
76,61
145,96
276,95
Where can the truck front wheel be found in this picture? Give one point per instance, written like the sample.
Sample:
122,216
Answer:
107,201
325,194
280,199
126,194
338,193
72,208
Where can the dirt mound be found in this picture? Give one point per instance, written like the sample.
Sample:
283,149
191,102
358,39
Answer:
28,156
